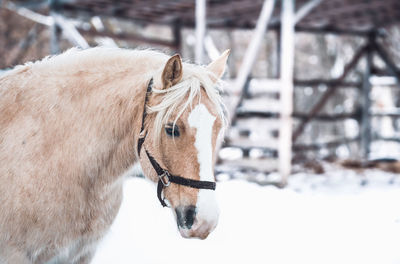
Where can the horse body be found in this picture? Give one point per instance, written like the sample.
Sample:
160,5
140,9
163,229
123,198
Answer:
68,131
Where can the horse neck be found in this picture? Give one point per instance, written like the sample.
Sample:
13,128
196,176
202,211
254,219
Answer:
113,113
112,110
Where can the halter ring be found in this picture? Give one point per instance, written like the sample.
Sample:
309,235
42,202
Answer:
164,178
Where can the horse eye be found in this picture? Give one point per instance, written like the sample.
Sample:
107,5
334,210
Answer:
171,131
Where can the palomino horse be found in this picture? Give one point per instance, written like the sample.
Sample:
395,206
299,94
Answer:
71,125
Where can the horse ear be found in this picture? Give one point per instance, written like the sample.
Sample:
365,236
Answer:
217,67
172,72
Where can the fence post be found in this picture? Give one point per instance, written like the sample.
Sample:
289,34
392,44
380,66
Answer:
366,101
286,94
200,30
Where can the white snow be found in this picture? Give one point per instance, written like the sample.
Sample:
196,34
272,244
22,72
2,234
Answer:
331,218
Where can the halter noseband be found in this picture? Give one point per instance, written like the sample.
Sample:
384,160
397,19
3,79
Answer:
164,177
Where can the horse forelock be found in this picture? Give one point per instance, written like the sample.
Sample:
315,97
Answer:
186,95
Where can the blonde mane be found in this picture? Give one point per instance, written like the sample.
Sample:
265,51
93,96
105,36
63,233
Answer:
181,96
112,60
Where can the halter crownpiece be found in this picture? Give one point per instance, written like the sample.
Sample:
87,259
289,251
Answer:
164,177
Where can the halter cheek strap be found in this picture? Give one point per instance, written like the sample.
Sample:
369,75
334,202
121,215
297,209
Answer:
142,134
164,177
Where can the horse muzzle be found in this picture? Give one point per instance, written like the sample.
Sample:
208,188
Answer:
190,225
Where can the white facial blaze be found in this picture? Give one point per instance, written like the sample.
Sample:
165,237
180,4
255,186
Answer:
201,119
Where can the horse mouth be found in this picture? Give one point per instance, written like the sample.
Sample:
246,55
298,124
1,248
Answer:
200,230
192,223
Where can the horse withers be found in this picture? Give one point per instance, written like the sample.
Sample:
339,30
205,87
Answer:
71,125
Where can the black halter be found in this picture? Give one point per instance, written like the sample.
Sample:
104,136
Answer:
164,177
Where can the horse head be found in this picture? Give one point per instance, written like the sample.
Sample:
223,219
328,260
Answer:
184,117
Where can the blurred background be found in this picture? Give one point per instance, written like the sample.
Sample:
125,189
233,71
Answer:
308,170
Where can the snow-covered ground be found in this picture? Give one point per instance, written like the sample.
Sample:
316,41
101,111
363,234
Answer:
338,217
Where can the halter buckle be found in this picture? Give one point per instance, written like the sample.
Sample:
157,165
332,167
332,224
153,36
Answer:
164,178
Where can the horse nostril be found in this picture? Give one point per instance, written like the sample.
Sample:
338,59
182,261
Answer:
185,216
